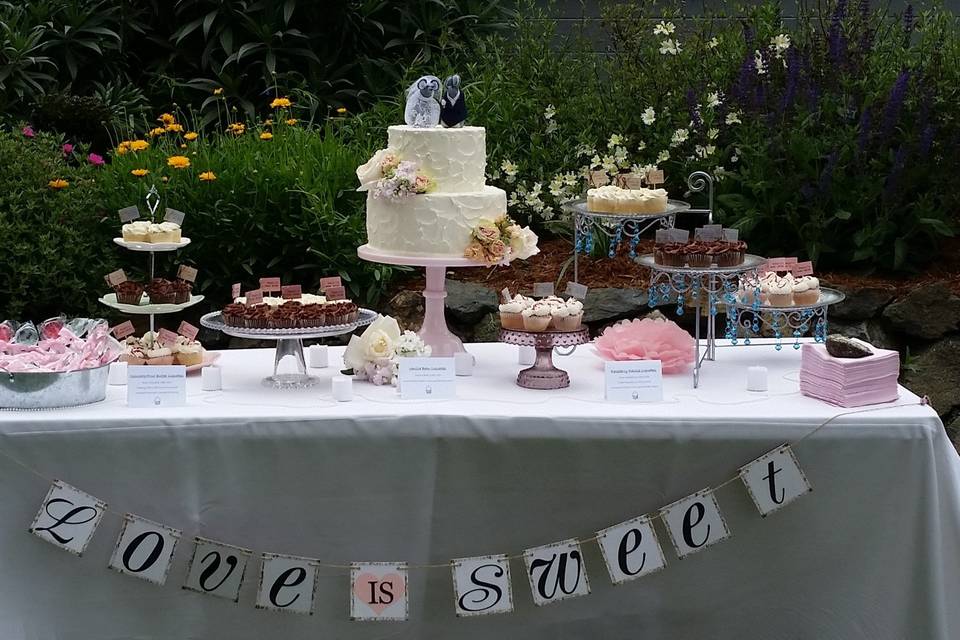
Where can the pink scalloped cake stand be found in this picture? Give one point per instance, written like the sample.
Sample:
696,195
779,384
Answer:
434,331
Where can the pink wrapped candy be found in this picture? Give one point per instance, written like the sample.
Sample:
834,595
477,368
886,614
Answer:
56,348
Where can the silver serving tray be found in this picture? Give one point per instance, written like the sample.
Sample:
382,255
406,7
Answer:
46,390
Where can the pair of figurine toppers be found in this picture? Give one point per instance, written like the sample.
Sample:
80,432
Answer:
426,108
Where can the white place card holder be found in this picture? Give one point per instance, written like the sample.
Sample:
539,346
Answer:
542,289
216,569
774,480
577,290
68,517
378,591
633,380
427,378
144,549
287,583
482,585
694,523
631,549
556,572
157,386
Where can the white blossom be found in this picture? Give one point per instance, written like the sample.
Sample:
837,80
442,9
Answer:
719,173
713,133
663,157
664,29
508,168
551,126
679,137
713,99
595,161
671,47
733,118
649,116
780,43
713,44
585,150
557,186
615,141
641,145
549,112
759,63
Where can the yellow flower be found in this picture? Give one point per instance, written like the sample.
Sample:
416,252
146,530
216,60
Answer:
183,145
159,131
291,121
166,118
173,126
190,136
218,91
237,128
280,103
123,147
139,172
208,176
58,184
342,110
138,145
178,162
268,122
266,135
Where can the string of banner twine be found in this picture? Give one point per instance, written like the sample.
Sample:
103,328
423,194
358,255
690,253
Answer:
924,401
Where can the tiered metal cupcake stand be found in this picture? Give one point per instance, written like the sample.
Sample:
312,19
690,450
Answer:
434,330
753,318
289,343
153,202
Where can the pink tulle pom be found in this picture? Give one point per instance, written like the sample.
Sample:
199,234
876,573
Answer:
647,339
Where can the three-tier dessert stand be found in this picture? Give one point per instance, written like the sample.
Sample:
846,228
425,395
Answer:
153,202
434,331
289,343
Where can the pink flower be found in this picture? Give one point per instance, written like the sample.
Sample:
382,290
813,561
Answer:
497,249
486,233
67,149
28,131
647,339
95,160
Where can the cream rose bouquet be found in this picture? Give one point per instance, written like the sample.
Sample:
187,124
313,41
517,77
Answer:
374,355
501,241
383,163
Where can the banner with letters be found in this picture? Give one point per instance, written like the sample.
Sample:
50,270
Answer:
380,591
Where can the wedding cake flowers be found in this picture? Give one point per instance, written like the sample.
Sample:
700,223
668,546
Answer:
375,354
387,176
501,241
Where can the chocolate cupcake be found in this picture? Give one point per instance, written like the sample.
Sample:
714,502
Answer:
312,315
161,291
733,255
696,256
259,317
233,315
129,292
287,315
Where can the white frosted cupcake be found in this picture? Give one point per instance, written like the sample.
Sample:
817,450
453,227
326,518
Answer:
159,355
806,291
537,317
780,293
573,317
188,352
137,231
511,315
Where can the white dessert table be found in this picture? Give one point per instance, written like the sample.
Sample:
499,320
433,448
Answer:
873,552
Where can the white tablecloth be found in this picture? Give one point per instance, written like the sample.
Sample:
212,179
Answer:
873,552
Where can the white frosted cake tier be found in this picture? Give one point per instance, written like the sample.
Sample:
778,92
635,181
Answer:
432,224
455,159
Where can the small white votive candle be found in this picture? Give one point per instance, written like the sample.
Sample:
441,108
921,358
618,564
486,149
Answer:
342,388
757,379
118,374
211,378
527,355
319,358
463,363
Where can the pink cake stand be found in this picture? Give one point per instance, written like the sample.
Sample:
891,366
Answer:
434,331
543,374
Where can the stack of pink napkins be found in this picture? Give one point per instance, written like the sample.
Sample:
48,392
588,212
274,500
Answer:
849,382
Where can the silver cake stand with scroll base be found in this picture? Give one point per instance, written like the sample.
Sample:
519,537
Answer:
784,322
289,343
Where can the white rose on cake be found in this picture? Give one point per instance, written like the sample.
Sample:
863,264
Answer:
372,171
523,243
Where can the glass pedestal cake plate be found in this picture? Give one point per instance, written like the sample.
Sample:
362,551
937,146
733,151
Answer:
289,343
543,374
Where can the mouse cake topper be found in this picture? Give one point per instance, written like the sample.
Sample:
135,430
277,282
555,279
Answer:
453,105
422,108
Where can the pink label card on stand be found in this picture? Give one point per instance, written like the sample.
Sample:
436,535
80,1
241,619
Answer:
187,330
115,277
254,297
166,337
335,293
270,285
187,273
291,292
235,291
802,269
123,330
776,264
332,281
655,177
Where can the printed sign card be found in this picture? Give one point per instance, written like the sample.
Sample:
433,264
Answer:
254,297
166,337
129,214
235,291
187,273
270,285
556,572
187,330
335,293
505,295
598,178
631,550
633,381
327,283
708,234
291,292
144,549
542,289
774,480
123,330
577,290
655,177
115,277
157,386
217,569
378,591
694,523
679,235
287,583
482,585
802,269
731,235
68,517
174,216
424,378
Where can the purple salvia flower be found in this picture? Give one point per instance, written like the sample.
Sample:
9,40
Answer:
864,6
837,41
747,34
899,161
743,85
926,140
865,120
826,176
891,114
908,20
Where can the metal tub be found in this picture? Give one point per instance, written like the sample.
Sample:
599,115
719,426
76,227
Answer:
39,390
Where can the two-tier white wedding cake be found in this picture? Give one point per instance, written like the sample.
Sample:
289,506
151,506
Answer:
428,197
